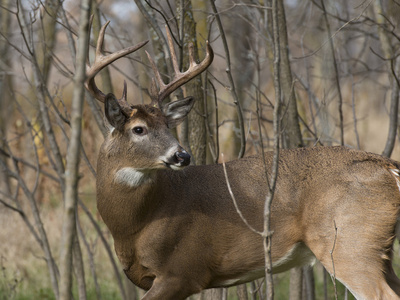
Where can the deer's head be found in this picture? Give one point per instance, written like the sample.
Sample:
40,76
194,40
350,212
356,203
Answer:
144,134
140,134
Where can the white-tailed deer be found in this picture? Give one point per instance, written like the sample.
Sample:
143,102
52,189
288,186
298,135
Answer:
175,227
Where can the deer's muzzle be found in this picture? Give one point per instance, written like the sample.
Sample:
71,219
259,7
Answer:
183,158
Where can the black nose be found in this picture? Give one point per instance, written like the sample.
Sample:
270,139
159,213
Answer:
183,158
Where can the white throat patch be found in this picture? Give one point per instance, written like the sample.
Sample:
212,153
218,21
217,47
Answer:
131,177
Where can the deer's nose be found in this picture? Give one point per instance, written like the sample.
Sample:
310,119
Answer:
183,157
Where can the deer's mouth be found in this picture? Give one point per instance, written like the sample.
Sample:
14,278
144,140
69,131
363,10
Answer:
173,166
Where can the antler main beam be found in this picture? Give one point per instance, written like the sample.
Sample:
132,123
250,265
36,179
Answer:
180,78
101,61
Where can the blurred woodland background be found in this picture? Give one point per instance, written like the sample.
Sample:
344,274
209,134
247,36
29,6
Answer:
339,81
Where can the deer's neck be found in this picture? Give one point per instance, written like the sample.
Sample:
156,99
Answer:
125,198
132,178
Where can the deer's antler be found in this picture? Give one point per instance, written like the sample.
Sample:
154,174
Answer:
180,78
102,61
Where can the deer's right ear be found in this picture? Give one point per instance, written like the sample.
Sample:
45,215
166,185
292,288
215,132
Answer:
114,113
176,111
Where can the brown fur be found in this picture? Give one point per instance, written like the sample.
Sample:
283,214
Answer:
180,233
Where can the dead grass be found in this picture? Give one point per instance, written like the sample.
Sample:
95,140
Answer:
24,269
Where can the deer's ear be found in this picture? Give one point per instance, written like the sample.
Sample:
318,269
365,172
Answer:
114,113
177,111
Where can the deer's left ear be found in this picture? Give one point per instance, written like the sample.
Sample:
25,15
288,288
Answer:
114,113
177,111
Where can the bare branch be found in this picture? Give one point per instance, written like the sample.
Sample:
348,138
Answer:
234,200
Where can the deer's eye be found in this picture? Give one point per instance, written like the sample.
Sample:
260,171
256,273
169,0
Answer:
139,130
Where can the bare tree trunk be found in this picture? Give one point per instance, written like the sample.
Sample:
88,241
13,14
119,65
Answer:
309,283
296,284
5,92
394,75
394,108
196,120
336,73
212,294
130,289
79,268
108,250
241,291
239,36
73,156
290,120
47,36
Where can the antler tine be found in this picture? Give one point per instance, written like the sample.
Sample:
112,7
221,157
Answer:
180,78
124,93
155,70
101,61
172,52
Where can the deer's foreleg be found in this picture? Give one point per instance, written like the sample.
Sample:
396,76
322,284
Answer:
170,289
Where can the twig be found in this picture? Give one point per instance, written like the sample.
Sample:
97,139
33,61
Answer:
215,148
353,107
335,33
234,199
166,22
153,23
9,206
28,164
333,276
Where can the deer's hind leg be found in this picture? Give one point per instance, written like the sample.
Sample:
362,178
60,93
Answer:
362,265
391,277
366,280
354,240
